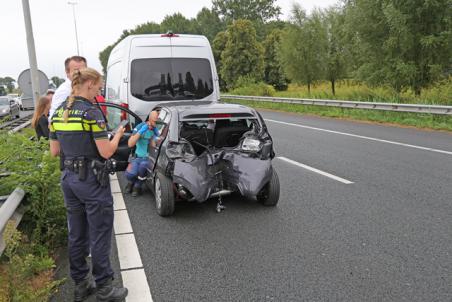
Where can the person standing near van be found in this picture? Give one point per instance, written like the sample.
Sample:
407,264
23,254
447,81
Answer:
61,94
144,134
78,134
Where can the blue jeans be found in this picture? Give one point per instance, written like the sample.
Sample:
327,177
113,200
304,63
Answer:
137,171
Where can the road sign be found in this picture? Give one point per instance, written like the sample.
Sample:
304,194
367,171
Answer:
24,82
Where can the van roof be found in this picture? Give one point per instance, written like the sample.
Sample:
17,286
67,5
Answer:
191,39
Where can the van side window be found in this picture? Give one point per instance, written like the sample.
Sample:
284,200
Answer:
166,79
113,82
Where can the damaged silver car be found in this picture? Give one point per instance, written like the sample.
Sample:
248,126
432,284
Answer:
206,150
209,150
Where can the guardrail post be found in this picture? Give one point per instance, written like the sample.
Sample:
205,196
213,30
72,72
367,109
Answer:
8,212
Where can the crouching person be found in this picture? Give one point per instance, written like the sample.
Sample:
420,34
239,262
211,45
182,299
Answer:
144,134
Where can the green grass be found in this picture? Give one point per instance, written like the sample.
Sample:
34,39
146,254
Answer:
429,121
439,94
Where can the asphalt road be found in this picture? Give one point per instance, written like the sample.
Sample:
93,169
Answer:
384,237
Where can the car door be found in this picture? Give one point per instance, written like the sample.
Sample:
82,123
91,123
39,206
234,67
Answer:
163,125
114,114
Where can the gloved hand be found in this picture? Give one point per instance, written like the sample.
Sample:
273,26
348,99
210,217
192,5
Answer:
143,129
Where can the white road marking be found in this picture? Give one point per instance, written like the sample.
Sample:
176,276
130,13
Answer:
122,222
132,271
363,137
118,201
136,283
128,254
115,188
337,178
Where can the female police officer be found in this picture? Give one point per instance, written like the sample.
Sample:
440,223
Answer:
78,134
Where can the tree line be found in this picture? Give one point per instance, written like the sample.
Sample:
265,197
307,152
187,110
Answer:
402,44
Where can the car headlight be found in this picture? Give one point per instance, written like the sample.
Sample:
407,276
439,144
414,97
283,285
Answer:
251,144
5,110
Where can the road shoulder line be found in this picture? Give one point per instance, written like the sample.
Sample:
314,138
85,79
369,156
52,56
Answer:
312,169
363,137
131,266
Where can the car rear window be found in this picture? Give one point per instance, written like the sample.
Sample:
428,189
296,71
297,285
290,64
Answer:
166,79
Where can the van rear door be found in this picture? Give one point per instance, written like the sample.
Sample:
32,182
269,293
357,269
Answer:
141,78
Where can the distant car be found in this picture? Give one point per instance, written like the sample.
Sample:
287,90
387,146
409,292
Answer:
8,107
205,150
16,98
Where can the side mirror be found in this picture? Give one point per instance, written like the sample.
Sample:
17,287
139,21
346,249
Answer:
11,102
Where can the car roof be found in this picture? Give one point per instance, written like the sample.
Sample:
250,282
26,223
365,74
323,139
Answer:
204,110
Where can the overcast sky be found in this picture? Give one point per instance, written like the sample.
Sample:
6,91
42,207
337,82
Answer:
99,22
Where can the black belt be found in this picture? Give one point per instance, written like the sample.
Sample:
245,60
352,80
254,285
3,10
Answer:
74,164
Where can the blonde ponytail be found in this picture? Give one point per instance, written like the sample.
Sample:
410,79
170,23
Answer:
79,77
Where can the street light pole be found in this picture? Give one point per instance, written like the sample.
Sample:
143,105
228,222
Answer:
31,52
75,23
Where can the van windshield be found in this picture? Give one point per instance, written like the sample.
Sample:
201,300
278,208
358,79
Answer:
166,79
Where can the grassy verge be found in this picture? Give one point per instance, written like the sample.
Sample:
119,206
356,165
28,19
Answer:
429,121
439,94
27,265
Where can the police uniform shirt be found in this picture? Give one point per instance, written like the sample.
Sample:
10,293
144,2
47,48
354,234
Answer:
85,124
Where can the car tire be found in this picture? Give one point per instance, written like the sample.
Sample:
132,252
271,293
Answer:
164,195
269,195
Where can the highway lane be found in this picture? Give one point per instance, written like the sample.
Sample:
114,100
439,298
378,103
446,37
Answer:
384,237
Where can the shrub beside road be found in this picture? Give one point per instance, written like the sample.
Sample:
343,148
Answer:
26,267
438,94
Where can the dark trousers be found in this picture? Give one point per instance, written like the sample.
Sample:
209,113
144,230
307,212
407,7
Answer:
90,224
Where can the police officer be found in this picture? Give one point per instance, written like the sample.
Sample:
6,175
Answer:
78,134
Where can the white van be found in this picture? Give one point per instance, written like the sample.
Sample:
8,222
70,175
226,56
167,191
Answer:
144,70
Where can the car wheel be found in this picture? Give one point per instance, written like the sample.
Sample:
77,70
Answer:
164,195
269,195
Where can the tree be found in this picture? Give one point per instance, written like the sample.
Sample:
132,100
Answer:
8,82
303,47
242,55
218,46
253,10
2,90
177,23
273,70
57,81
403,43
208,23
336,54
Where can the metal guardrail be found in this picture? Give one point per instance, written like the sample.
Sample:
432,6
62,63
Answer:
13,124
431,109
10,213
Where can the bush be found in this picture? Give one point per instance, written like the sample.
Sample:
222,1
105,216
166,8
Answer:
34,170
248,86
27,270
25,277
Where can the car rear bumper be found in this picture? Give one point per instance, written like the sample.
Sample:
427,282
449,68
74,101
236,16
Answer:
231,170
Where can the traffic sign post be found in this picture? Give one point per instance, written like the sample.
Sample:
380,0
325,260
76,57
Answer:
31,51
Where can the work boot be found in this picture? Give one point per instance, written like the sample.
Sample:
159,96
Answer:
136,191
129,187
84,289
106,292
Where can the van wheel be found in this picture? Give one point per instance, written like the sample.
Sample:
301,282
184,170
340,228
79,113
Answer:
164,195
269,195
